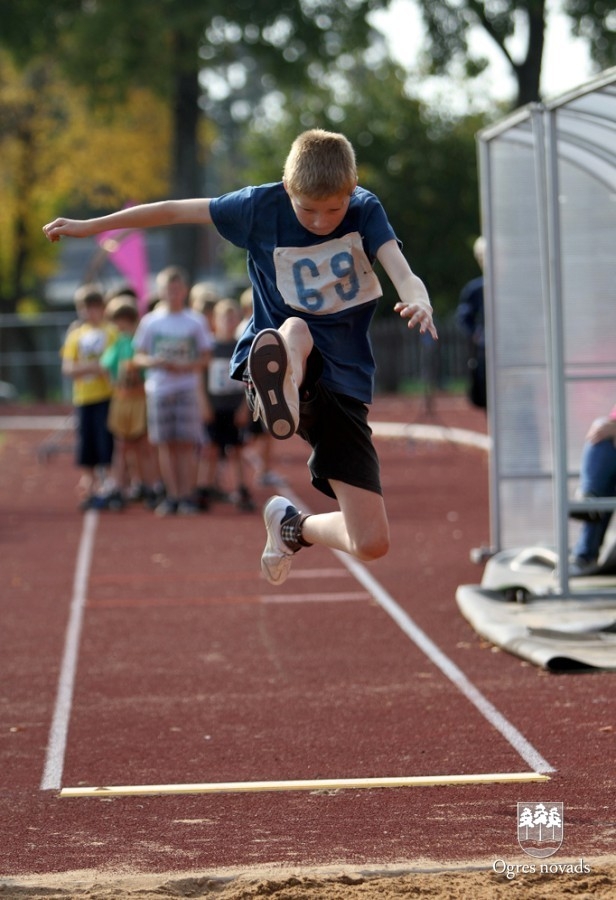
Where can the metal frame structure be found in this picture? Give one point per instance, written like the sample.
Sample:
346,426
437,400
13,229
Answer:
548,198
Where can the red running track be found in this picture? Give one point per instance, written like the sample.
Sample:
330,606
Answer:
190,668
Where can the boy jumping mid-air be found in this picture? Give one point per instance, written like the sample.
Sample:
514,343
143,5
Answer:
305,355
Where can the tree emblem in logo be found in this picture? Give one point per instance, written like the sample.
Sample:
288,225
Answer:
540,828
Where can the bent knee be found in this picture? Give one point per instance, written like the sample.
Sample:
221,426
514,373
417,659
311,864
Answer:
372,547
295,328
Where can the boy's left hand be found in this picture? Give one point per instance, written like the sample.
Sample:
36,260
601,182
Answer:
418,314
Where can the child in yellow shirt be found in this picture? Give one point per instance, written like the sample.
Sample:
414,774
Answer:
92,389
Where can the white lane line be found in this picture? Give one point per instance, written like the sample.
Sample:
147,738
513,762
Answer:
431,433
487,709
417,431
511,734
56,744
315,598
318,573
36,423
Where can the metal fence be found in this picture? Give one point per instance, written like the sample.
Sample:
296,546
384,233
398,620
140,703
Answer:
30,356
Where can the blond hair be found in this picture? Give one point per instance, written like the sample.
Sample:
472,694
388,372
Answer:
246,300
172,273
320,164
203,296
227,304
479,250
89,295
122,306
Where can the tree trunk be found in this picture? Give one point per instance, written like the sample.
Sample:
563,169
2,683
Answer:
528,73
186,174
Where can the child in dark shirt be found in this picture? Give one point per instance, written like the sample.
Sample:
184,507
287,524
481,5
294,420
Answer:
226,411
311,240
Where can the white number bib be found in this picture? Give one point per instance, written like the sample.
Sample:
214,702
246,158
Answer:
326,278
174,349
219,380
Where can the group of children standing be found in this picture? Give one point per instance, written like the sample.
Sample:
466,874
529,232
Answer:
156,410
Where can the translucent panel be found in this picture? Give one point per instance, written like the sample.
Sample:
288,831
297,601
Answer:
529,508
523,446
587,399
548,182
588,266
587,132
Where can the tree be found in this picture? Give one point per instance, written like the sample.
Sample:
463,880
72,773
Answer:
421,164
554,820
449,26
526,820
164,44
54,150
596,21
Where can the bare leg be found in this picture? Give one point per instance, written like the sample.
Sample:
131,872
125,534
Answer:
120,466
277,363
266,447
236,459
208,466
359,528
144,461
299,344
166,463
186,468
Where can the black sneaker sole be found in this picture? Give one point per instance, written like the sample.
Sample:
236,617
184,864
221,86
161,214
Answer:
267,364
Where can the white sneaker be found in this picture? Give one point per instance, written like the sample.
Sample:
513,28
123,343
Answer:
276,557
277,395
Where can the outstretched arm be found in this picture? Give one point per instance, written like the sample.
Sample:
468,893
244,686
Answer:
147,215
414,303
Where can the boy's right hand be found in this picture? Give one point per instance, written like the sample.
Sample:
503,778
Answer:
53,231
418,312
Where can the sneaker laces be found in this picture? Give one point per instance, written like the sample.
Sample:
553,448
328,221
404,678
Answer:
291,530
257,409
252,398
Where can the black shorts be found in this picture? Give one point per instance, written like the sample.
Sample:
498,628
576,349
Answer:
94,440
336,427
222,430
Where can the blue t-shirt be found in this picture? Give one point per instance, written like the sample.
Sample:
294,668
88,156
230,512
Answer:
327,281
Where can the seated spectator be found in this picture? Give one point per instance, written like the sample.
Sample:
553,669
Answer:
597,479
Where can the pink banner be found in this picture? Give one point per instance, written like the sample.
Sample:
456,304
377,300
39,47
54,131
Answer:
127,251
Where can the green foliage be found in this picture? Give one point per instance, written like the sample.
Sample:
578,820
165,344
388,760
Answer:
421,165
279,67
596,21
55,150
448,26
109,44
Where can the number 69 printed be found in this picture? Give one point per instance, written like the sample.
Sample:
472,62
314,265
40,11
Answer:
335,276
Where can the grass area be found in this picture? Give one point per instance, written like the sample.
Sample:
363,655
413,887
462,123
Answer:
415,387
